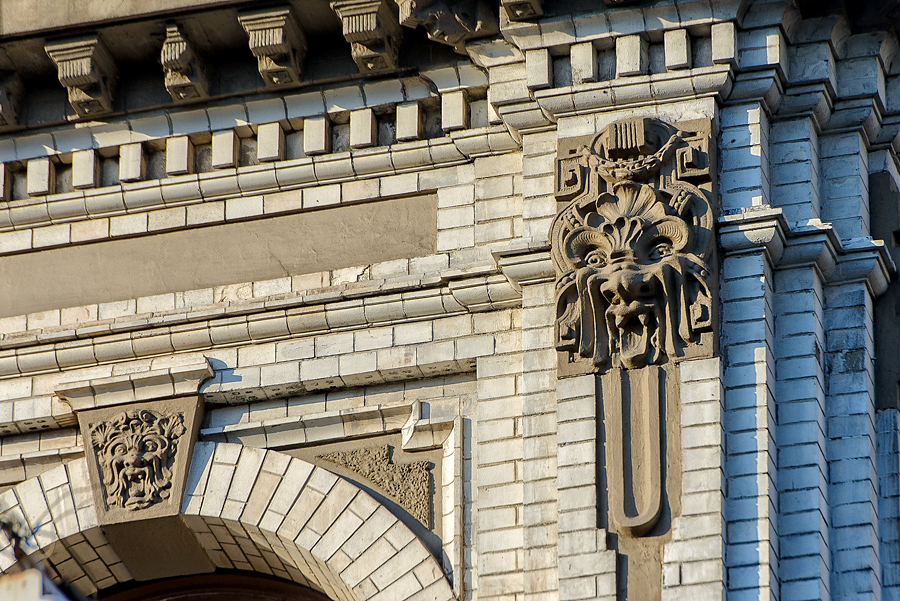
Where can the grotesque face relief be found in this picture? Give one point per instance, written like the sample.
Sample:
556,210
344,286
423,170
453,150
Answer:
451,23
630,252
136,451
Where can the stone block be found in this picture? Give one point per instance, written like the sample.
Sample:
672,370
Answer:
179,155
454,110
41,176
363,128
270,142
225,148
724,43
677,49
408,121
85,169
538,69
132,162
583,58
316,135
632,56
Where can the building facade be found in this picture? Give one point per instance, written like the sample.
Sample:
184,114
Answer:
429,300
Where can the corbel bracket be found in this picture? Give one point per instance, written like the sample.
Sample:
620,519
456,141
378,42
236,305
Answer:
373,31
185,75
10,93
277,42
88,72
451,23
522,10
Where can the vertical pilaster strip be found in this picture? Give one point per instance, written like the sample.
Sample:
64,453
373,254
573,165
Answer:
694,560
498,477
540,442
744,148
850,404
845,183
587,570
887,424
803,516
795,169
749,377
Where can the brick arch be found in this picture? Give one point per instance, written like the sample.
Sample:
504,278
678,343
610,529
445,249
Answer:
251,509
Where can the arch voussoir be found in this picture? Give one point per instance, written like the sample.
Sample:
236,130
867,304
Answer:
324,530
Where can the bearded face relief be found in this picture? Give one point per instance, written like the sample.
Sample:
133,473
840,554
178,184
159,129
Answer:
630,252
136,451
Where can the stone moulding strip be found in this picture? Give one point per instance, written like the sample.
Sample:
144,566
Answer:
269,178
613,94
815,243
136,387
254,321
418,433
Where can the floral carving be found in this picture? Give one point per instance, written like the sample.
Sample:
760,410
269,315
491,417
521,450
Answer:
136,451
630,250
409,484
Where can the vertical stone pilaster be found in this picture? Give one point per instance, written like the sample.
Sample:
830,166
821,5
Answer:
540,442
587,569
749,376
853,483
803,518
694,560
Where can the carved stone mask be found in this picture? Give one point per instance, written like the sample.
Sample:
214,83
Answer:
136,451
630,260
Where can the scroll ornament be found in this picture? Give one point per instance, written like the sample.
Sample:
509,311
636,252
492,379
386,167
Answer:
136,451
631,249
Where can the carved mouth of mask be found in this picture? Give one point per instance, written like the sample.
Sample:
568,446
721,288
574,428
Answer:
137,487
636,324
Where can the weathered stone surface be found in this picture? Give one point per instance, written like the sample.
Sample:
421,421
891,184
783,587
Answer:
407,483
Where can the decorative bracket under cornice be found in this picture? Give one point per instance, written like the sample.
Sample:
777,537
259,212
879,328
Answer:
522,10
374,33
814,243
451,23
10,94
88,71
185,75
277,42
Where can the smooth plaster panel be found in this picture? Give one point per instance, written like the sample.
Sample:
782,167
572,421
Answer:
256,250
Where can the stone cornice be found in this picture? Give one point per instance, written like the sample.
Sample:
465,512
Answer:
814,244
274,318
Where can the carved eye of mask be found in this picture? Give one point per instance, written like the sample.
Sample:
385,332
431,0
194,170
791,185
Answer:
659,249
596,258
119,449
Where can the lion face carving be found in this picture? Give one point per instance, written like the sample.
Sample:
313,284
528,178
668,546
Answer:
136,451
631,285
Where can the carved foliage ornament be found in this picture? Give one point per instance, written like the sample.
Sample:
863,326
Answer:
450,22
631,249
136,451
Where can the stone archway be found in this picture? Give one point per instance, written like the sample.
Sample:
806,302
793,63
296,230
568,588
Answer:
250,509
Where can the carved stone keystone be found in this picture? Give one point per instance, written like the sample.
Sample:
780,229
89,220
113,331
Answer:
373,31
88,72
10,94
451,23
522,10
277,42
185,75
139,431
